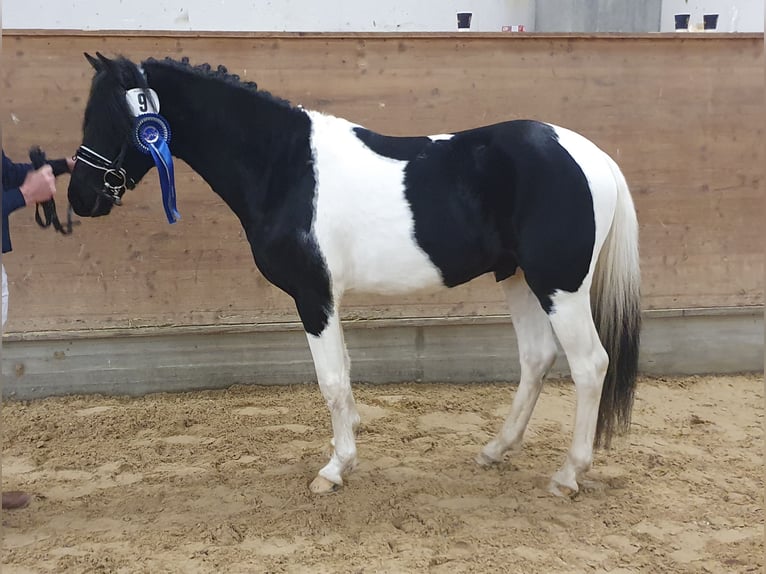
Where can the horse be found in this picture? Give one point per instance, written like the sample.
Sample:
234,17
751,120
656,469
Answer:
329,206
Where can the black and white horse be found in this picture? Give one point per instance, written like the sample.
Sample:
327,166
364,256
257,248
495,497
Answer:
329,207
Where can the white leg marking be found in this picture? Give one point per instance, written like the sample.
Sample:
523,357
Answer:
537,351
332,367
355,418
573,324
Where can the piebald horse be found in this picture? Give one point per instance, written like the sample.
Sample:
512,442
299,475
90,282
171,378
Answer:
329,206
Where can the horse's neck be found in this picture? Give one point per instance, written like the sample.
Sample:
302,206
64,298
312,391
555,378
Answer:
218,130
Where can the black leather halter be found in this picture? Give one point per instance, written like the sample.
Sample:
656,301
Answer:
116,180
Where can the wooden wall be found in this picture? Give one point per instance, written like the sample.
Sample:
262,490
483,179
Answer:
682,115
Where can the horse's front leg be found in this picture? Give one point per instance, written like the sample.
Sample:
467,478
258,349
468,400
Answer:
332,367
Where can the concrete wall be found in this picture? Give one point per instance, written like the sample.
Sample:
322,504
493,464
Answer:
135,362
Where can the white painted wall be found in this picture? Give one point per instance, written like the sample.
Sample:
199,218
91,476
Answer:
350,15
265,15
734,15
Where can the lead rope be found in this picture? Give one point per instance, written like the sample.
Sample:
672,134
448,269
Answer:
37,157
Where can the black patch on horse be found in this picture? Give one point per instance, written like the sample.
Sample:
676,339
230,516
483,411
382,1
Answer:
502,196
401,148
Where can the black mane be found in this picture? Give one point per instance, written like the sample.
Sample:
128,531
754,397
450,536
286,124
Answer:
122,74
220,73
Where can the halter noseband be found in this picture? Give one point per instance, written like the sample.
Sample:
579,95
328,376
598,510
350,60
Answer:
116,180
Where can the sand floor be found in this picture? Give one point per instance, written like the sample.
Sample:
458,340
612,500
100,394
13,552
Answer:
217,482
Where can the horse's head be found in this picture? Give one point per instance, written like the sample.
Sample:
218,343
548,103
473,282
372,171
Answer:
107,161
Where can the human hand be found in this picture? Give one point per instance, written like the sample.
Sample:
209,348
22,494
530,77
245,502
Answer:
39,185
70,163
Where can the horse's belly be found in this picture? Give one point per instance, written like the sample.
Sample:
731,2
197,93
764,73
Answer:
396,267
368,243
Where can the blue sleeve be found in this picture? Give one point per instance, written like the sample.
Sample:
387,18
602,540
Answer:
12,200
13,176
14,173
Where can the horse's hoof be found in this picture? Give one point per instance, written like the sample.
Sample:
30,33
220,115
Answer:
485,461
320,485
560,490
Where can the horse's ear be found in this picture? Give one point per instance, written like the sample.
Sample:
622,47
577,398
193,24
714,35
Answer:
106,62
108,65
97,65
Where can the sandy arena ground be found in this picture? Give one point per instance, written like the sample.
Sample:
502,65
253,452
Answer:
217,482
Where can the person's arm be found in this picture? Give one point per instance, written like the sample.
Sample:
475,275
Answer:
15,173
13,199
39,186
13,176
23,186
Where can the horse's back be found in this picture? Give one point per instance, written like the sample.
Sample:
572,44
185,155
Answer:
400,213
512,194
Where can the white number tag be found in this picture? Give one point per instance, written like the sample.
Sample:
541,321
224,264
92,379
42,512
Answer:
142,101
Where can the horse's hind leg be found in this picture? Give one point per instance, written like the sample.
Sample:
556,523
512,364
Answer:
537,351
573,324
332,367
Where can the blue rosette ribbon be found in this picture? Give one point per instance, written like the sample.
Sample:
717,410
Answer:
151,135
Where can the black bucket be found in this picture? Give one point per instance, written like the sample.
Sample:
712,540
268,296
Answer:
464,20
711,21
682,21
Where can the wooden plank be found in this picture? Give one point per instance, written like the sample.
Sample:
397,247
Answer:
682,116
241,34
48,33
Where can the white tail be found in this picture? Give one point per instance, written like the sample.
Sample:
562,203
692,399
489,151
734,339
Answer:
616,304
